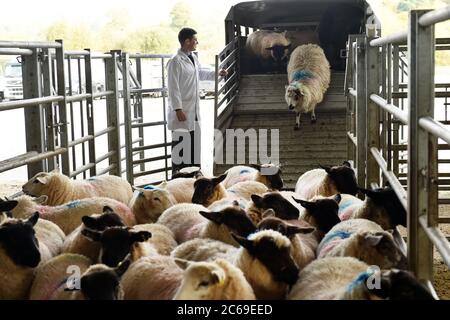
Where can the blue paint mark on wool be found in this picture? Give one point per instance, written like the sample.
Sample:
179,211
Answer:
244,171
300,75
92,179
151,187
336,235
345,205
362,277
73,204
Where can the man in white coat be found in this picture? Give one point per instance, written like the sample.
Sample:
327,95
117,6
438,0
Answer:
183,116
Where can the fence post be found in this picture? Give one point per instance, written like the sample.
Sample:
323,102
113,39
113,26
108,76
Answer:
62,109
127,113
373,113
34,131
90,111
112,107
422,147
361,119
48,108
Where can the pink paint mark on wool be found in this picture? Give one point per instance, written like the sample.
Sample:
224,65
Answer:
346,214
43,211
328,247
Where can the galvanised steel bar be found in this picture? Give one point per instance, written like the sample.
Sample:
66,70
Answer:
127,113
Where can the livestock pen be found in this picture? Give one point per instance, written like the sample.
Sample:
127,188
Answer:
88,129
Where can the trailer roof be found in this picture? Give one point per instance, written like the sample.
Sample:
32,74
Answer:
271,13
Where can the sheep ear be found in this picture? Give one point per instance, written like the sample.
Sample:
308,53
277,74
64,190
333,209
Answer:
370,193
269,213
163,184
372,240
337,198
215,217
107,209
244,242
198,174
217,277
33,219
219,179
8,205
41,200
182,263
292,230
347,164
326,168
255,166
123,266
257,200
56,170
89,222
92,234
42,180
140,236
305,204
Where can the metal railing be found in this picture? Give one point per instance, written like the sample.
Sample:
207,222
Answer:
377,117
64,103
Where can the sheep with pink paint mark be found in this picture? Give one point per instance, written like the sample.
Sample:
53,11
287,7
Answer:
68,216
267,174
60,189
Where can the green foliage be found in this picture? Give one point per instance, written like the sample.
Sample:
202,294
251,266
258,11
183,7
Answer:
181,15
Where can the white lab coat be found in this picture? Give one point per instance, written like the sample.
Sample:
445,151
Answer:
183,90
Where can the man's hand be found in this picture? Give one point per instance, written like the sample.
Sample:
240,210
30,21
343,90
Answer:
181,116
223,72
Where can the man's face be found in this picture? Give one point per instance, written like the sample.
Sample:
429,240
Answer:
191,44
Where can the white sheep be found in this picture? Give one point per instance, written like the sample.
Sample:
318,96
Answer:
72,277
76,242
327,181
347,278
23,245
154,277
267,174
309,77
149,203
365,240
264,257
68,216
218,280
60,189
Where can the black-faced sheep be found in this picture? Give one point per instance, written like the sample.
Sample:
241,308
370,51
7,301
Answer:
60,189
282,203
269,48
76,242
347,278
309,78
327,181
56,280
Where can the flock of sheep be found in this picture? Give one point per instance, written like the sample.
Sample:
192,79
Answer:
308,69
233,236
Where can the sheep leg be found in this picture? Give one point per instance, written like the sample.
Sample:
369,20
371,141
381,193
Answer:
297,121
313,117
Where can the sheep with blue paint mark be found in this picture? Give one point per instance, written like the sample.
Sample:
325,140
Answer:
73,277
347,278
149,203
309,77
267,174
364,240
68,216
60,189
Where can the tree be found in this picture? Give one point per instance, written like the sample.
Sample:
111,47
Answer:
181,15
